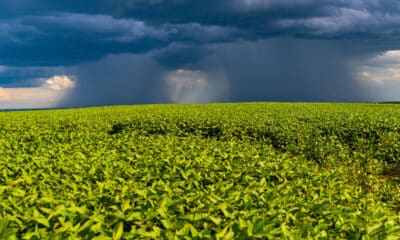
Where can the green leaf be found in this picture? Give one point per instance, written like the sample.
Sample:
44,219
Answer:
376,229
216,220
43,221
222,233
118,231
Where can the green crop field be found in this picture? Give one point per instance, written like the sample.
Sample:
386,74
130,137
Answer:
217,171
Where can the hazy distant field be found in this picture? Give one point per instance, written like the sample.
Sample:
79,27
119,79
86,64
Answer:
219,171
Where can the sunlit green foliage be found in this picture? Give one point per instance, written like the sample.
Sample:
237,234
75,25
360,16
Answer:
219,171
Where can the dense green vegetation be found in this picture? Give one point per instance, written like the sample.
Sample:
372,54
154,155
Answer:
219,171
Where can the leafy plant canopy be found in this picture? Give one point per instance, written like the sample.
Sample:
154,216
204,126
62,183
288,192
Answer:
217,171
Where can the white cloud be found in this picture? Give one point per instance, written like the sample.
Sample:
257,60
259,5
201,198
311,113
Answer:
382,68
59,83
381,75
49,94
185,86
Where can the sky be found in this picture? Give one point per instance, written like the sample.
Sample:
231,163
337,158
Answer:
77,53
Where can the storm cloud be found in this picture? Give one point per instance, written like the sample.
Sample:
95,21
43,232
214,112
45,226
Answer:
124,51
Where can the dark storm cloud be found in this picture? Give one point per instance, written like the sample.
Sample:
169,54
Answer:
121,50
278,69
286,69
69,38
116,79
262,17
181,56
44,32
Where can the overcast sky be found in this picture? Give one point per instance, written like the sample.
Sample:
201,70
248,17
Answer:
84,53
